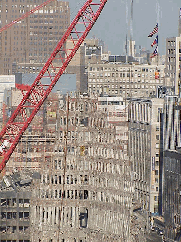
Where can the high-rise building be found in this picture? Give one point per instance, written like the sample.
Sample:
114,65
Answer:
172,63
144,122
26,46
91,51
171,194
171,172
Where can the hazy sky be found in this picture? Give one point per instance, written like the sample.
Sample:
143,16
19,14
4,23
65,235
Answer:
111,25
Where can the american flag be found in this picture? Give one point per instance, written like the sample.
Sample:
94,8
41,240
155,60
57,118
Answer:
155,41
155,30
155,52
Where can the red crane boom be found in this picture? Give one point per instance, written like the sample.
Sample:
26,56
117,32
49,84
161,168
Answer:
25,15
38,92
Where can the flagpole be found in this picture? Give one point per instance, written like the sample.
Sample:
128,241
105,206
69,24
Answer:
158,22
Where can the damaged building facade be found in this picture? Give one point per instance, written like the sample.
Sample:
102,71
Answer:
15,197
85,192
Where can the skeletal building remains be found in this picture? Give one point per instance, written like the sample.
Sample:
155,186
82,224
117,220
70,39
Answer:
85,192
37,143
15,196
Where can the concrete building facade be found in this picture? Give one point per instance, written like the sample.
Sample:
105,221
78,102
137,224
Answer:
15,199
144,150
171,169
91,51
86,193
172,195
26,46
117,79
172,63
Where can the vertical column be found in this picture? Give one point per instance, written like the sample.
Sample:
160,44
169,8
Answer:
49,214
53,215
45,215
41,215
57,215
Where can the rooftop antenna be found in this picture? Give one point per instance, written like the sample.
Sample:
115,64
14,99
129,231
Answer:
131,30
158,21
126,45
179,25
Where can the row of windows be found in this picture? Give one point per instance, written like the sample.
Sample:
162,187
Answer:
13,229
13,215
48,27
171,43
70,179
99,88
13,202
117,92
125,80
92,74
69,194
120,69
15,240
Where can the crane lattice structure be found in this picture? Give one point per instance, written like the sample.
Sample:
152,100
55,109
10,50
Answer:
35,95
25,15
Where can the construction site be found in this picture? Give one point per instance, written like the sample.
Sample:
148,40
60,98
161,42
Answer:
88,158
65,172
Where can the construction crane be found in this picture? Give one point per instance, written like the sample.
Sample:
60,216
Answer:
25,15
35,95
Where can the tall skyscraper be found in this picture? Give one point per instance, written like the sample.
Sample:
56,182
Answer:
173,61
26,45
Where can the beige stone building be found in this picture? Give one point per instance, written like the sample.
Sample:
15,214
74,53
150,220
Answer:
90,51
117,79
172,63
26,46
144,117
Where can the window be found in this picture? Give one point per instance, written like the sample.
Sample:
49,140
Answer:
155,198
157,189
156,180
156,172
157,137
157,128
